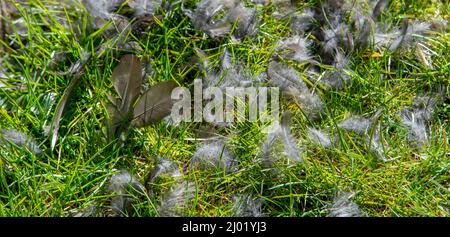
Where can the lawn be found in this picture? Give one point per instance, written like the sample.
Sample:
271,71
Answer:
364,102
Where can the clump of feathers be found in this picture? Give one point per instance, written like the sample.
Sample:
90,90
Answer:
229,74
203,18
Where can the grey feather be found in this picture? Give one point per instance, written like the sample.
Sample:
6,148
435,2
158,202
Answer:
203,18
245,205
281,143
344,207
338,77
380,8
125,188
289,141
300,23
283,76
319,137
101,8
412,32
356,124
366,128
309,102
164,167
295,48
178,192
175,202
418,132
214,155
144,7
20,139
417,117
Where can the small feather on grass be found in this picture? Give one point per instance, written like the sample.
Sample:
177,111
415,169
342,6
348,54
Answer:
319,137
295,48
214,155
175,202
344,207
245,205
281,140
125,188
19,139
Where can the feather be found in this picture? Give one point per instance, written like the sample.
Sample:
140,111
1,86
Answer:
319,137
289,141
341,61
164,167
175,202
423,54
283,76
246,205
202,60
101,8
380,8
300,23
20,139
286,78
309,102
54,128
125,189
144,7
365,127
203,18
77,66
418,132
356,124
330,41
411,33
281,140
416,118
127,80
376,146
155,104
344,207
338,77
365,36
178,192
90,211
295,48
385,40
231,75
214,155
246,21
226,61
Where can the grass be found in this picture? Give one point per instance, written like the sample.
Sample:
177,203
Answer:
75,174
